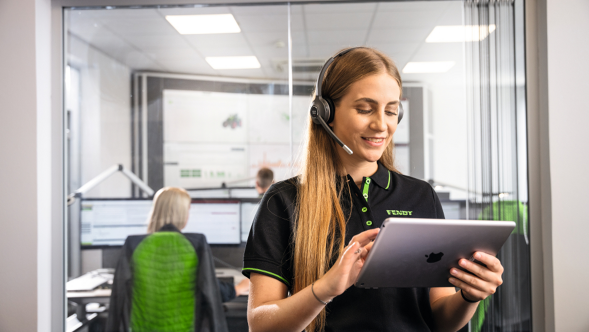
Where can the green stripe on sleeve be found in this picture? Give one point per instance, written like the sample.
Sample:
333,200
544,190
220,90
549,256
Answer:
266,272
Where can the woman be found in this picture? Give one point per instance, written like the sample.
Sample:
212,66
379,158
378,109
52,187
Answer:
313,232
165,280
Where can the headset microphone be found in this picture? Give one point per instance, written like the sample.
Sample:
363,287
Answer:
329,131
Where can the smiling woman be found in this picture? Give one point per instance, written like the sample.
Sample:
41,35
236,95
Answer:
312,233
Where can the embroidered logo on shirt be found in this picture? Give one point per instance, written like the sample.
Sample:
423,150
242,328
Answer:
399,213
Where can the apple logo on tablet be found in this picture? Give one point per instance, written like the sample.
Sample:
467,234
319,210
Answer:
434,257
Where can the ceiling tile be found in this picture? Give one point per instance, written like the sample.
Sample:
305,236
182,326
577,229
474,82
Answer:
439,52
225,51
260,10
139,26
351,8
340,37
336,21
260,23
378,36
158,42
202,42
195,11
267,38
406,19
416,5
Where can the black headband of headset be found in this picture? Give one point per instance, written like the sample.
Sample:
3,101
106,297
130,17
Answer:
324,69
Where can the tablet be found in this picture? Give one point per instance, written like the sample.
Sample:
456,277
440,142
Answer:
421,252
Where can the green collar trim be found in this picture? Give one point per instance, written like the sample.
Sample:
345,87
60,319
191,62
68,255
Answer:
365,189
388,183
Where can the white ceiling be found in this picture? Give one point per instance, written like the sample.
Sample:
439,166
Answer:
142,39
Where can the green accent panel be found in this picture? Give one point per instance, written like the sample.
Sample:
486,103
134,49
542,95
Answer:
502,210
509,211
479,315
266,272
164,267
388,183
364,209
369,223
366,187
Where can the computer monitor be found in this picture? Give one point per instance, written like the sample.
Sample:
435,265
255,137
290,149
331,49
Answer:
218,220
248,212
108,222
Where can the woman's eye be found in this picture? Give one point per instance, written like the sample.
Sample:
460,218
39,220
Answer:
361,111
391,113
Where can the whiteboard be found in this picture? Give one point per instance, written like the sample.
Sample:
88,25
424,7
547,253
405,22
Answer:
216,137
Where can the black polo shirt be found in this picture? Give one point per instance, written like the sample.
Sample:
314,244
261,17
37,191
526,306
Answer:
384,194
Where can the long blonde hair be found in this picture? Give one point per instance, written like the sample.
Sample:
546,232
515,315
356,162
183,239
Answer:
170,206
320,227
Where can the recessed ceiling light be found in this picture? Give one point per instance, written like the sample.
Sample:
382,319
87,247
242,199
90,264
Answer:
428,67
203,24
233,62
459,33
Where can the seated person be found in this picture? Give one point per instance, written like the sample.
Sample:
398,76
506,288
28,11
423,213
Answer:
165,280
264,180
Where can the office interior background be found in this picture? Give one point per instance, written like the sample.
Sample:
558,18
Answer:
494,121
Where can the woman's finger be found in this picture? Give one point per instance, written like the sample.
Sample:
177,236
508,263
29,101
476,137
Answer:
368,247
352,253
490,261
474,282
470,292
477,269
366,237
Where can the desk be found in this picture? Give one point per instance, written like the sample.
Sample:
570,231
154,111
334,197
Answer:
235,310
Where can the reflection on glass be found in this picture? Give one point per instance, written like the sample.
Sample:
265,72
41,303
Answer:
198,97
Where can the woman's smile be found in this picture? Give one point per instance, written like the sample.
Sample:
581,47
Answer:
374,141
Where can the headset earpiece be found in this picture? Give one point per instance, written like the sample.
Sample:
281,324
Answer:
401,112
331,112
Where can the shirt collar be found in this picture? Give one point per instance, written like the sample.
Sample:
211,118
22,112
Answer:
169,228
382,177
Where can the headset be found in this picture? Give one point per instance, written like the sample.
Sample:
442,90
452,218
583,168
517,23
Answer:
322,108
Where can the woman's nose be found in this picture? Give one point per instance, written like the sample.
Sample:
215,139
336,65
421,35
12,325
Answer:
378,122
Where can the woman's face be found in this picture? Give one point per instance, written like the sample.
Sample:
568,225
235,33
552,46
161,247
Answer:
366,117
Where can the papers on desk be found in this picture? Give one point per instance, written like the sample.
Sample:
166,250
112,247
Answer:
89,281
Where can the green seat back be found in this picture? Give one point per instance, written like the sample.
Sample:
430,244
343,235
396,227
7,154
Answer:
164,269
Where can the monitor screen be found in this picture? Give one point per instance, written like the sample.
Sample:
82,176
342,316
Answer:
218,220
109,222
248,212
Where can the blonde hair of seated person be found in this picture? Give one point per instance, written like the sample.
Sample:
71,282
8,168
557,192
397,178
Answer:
170,206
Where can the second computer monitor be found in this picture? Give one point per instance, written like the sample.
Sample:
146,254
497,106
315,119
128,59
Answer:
218,220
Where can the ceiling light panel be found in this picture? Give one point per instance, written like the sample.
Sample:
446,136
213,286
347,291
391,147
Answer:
459,33
428,67
233,62
204,24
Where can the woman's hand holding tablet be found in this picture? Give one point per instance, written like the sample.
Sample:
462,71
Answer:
482,281
344,273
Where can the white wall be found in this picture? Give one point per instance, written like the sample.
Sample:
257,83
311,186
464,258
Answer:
568,114
105,117
25,172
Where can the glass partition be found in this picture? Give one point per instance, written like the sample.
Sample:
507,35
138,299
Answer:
202,97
